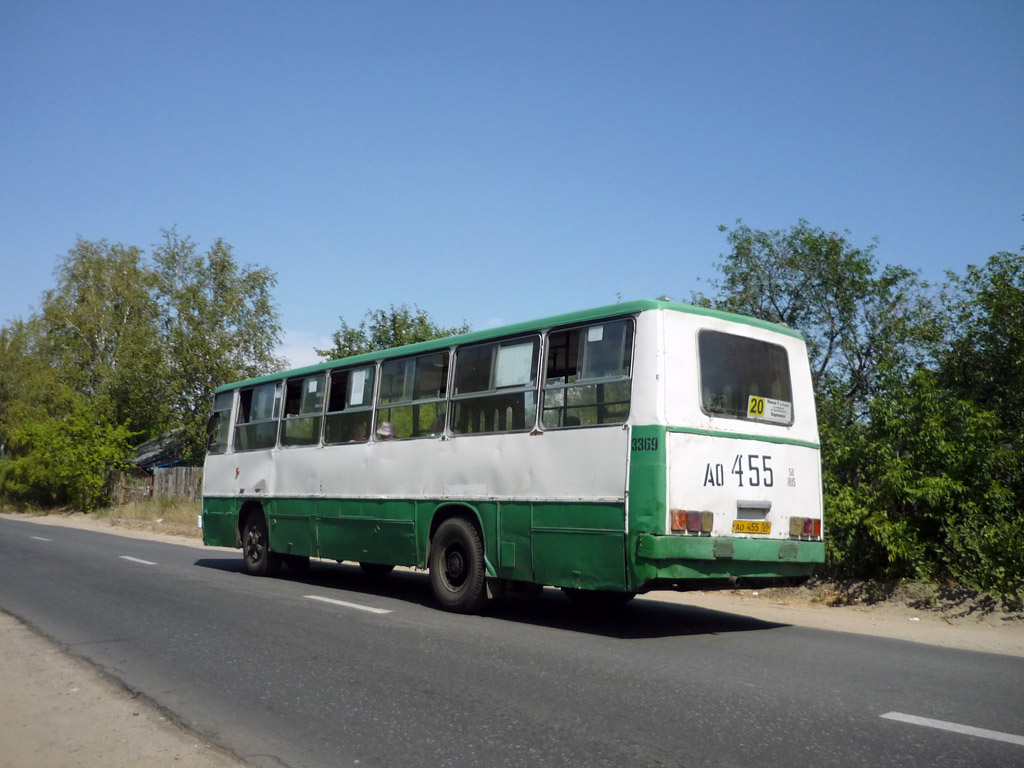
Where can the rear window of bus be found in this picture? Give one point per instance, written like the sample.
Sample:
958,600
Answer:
744,378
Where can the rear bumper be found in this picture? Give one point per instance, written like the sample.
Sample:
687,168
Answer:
654,547
691,562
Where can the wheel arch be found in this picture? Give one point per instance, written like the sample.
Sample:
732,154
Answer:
249,508
451,509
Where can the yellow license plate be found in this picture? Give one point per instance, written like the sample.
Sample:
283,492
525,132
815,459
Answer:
751,526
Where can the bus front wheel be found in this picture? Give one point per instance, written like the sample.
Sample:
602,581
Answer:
256,555
457,566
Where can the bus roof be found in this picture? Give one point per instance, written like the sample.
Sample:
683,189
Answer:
570,318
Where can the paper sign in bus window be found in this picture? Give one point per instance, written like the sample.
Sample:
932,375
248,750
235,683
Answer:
357,381
767,409
514,364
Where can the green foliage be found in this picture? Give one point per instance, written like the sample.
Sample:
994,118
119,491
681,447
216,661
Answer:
121,351
932,495
98,327
920,402
984,360
385,329
218,323
864,327
66,459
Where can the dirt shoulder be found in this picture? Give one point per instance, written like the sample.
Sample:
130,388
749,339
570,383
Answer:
60,711
57,710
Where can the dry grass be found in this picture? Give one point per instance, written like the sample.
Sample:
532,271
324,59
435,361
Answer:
166,515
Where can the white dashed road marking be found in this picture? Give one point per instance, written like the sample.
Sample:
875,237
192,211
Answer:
346,605
967,730
136,560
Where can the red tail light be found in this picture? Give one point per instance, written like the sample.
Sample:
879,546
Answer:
805,526
692,522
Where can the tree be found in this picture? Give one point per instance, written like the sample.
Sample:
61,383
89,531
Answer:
28,382
919,402
935,494
985,356
863,327
66,458
385,329
218,323
123,350
99,329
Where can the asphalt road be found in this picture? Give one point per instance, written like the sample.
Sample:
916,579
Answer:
336,669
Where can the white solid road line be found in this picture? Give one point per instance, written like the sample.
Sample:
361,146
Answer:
967,730
346,605
136,560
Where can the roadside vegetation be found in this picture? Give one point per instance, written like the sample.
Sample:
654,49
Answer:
920,388
920,403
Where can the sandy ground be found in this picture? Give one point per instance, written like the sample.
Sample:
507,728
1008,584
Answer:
57,710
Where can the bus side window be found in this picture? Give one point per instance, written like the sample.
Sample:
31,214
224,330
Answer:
303,410
587,379
412,394
218,428
256,420
350,406
496,387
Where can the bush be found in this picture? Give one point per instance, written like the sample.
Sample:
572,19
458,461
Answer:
65,459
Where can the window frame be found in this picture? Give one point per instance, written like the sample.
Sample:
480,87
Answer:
582,359
217,419
735,416
410,387
348,410
294,419
275,417
494,391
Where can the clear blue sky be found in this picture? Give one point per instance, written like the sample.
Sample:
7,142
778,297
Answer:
495,162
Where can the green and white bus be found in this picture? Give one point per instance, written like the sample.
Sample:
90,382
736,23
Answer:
640,446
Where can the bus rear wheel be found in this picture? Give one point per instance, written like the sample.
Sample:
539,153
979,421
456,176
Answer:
256,555
457,567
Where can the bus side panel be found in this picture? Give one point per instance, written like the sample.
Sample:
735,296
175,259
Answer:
380,531
220,522
579,545
515,546
648,500
291,526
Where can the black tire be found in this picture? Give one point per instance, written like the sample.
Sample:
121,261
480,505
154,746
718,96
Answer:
457,567
256,555
597,599
376,570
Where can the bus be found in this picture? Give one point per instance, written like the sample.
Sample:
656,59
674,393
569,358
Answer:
645,445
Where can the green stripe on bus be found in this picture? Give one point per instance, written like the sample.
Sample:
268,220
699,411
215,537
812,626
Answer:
623,309
744,436
566,544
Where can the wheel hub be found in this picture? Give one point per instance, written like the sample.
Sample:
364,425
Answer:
455,565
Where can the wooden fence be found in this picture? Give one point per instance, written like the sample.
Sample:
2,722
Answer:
180,482
165,482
